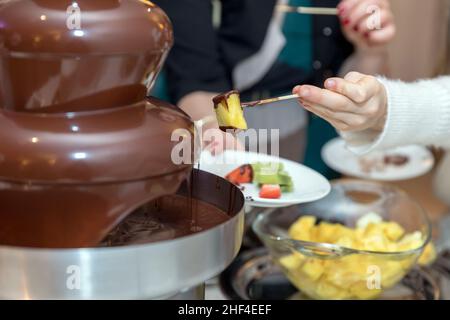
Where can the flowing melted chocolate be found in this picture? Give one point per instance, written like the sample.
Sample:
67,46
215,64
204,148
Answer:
164,219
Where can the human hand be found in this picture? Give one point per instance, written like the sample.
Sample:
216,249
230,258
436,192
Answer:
214,139
355,103
199,106
367,23
217,141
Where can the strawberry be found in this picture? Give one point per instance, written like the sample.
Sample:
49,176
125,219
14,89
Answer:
270,191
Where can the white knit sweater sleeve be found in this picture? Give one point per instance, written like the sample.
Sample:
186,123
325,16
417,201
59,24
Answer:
418,113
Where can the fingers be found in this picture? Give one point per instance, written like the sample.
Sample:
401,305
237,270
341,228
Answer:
373,22
346,6
340,120
367,22
355,86
217,141
354,76
369,87
346,88
311,95
341,94
356,102
361,13
378,37
214,148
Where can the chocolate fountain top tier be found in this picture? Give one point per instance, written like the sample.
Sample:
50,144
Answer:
83,27
66,56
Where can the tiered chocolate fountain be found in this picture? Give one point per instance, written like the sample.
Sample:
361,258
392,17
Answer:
91,203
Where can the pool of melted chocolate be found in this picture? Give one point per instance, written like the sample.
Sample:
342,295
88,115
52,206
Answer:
167,218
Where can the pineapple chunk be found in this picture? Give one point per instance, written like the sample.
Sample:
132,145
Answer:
301,229
313,268
393,231
411,241
292,261
229,112
326,290
368,218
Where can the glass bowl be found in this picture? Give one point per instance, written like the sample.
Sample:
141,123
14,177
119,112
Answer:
331,271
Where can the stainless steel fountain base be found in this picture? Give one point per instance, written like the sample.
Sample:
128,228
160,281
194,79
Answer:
158,270
196,293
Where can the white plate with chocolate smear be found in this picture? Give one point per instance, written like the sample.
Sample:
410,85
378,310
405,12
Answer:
395,164
267,181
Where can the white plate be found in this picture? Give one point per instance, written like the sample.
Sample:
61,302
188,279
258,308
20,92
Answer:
308,184
336,155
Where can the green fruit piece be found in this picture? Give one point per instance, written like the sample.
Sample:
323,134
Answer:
272,173
287,189
281,179
268,167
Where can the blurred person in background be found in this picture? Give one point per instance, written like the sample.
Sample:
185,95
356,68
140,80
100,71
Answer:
375,113
263,53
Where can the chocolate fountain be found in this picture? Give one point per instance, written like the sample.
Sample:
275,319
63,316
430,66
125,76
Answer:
91,204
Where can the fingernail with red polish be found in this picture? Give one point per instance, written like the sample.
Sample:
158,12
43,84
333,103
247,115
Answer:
366,35
356,28
346,22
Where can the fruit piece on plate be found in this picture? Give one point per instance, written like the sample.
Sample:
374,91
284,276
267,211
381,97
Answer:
268,167
287,188
281,178
272,173
229,111
284,188
270,191
243,174
262,173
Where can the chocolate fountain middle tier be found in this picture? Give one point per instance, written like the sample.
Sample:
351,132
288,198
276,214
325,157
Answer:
68,179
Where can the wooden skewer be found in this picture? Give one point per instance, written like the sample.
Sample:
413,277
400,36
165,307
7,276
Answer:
271,100
307,10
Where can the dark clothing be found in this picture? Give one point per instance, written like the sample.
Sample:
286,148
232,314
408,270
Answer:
203,57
